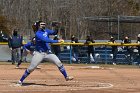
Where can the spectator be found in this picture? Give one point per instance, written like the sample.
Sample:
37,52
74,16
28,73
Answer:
3,37
90,49
138,41
114,50
128,49
75,49
15,43
56,48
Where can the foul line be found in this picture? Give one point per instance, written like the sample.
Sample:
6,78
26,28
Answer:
39,90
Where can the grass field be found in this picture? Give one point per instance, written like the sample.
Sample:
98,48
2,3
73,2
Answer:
87,79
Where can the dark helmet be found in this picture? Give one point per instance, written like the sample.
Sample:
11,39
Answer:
37,23
88,36
33,40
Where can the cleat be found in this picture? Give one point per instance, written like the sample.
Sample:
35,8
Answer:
38,67
19,83
17,67
68,78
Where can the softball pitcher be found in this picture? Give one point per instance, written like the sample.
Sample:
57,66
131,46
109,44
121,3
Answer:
43,51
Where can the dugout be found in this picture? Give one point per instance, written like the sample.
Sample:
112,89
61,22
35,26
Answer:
102,27
102,53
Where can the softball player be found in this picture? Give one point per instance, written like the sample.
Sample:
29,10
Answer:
28,48
43,51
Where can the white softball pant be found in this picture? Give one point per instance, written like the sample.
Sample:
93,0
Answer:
39,56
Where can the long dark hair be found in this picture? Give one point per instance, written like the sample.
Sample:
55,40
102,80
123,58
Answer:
35,26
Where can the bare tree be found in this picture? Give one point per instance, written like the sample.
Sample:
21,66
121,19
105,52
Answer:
23,13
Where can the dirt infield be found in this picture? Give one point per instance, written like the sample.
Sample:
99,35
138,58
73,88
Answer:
87,79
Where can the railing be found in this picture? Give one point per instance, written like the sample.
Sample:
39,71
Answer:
104,52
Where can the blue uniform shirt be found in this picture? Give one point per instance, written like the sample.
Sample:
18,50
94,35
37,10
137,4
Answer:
43,40
30,46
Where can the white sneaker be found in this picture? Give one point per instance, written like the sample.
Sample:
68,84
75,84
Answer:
114,63
68,78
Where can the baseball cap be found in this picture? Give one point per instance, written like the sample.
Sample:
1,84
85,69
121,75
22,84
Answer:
138,35
111,37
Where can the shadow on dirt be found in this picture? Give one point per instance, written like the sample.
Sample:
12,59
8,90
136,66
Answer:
37,84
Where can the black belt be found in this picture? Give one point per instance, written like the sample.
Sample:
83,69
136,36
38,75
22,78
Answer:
48,51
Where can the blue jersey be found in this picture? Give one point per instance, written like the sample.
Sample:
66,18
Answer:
29,46
15,41
43,40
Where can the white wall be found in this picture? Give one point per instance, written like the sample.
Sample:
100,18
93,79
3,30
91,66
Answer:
5,53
